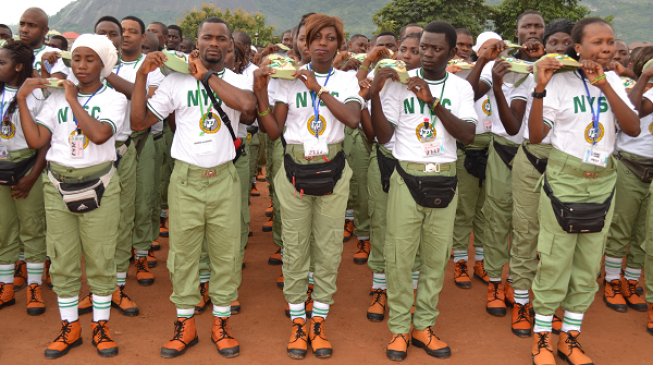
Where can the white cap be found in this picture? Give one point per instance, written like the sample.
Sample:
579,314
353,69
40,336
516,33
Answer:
254,49
484,37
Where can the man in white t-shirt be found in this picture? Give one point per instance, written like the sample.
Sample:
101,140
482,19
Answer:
32,29
204,193
427,117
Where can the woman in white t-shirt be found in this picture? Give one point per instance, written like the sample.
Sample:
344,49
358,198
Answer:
80,122
584,106
21,186
314,109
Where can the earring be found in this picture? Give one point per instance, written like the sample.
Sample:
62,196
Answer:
577,53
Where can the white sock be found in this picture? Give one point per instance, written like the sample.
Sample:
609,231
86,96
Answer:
496,280
7,274
281,252
310,278
320,309
349,214
21,256
459,255
612,268
222,311
121,277
35,273
185,313
101,308
629,273
164,213
141,253
415,279
542,323
205,276
509,279
363,238
479,254
572,321
254,180
521,297
297,311
378,281
68,308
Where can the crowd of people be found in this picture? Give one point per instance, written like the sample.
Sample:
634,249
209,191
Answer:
107,149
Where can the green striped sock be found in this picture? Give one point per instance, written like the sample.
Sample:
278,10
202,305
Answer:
572,321
459,255
632,274
68,308
185,313
21,256
297,311
415,279
521,297
542,323
612,268
478,254
121,277
222,311
141,253
101,307
7,274
378,281
35,273
320,309
310,278
205,276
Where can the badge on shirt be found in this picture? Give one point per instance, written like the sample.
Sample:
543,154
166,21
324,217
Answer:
433,149
4,152
596,156
487,109
316,127
425,132
203,146
315,147
78,142
592,134
7,130
210,123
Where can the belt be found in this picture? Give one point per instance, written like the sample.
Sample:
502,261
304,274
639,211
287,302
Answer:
210,172
252,130
126,143
538,163
78,180
429,167
584,174
158,136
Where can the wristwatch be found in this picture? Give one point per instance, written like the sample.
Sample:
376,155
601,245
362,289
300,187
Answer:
539,95
207,75
434,104
323,89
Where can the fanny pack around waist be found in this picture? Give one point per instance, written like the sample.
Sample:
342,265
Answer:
475,163
83,197
387,167
538,163
12,172
579,217
430,191
120,151
641,167
507,153
315,179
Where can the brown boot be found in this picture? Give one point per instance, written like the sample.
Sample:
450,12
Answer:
521,323
628,289
20,275
509,292
397,349
349,230
260,176
556,325
298,344
7,295
280,282
185,336
46,269
319,344
649,324
309,301
427,340
542,352
363,253
460,275
35,305
412,309
221,337
143,274
480,273
123,303
205,298
275,258
70,336
569,349
496,299
151,259
254,191
85,305
163,229
612,296
267,226
269,210
156,246
235,307
102,339
376,310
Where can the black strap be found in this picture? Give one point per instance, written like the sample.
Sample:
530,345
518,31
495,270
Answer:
506,153
538,163
216,105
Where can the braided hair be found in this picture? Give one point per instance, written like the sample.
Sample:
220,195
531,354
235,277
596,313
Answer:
19,53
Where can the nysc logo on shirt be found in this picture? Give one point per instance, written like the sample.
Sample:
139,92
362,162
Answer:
409,106
62,114
425,132
487,107
7,128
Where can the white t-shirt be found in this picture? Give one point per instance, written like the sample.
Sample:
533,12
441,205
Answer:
107,106
508,89
567,108
12,137
61,68
414,122
641,145
199,140
248,72
525,90
38,53
483,109
300,122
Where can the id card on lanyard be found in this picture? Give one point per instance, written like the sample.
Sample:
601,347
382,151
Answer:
209,124
78,140
435,148
316,147
594,155
6,128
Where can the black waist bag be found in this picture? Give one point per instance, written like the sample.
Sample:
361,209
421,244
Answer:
315,179
387,167
641,167
538,163
11,172
579,217
83,197
430,191
507,153
476,163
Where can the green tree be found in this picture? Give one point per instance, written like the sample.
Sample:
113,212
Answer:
470,14
238,20
505,14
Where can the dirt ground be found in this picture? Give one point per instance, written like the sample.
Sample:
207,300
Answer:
262,329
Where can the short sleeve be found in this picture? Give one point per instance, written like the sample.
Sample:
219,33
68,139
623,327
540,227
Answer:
390,102
467,111
522,91
272,88
486,73
551,103
649,95
281,92
47,116
351,91
60,68
161,104
619,88
155,78
115,116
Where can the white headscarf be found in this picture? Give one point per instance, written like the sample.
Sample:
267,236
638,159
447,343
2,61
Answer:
102,46
484,37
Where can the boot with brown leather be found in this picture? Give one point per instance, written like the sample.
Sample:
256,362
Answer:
427,340
280,282
570,350
70,336
649,324
480,273
556,325
319,344
7,295
121,301
612,296
397,349
205,298
35,305
376,310
102,339
275,258
309,301
542,352
185,336
143,275
85,305
509,292
461,276
235,307
222,338
298,345
521,322
496,299
20,275
628,289
363,252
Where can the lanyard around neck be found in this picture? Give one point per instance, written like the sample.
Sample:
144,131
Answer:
431,112
121,61
597,115
2,103
86,103
316,101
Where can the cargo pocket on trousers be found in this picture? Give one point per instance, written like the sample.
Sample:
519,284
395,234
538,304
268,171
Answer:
547,266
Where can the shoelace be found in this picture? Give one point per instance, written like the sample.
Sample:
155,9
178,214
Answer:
123,294
179,331
361,247
101,333
398,336
63,335
573,343
317,329
224,330
141,265
203,289
347,226
523,314
32,296
18,272
463,268
376,297
299,332
615,287
542,342
496,290
632,289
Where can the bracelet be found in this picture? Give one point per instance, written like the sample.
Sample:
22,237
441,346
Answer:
265,112
434,104
364,67
598,79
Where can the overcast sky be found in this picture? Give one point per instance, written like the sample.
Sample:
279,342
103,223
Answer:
12,9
